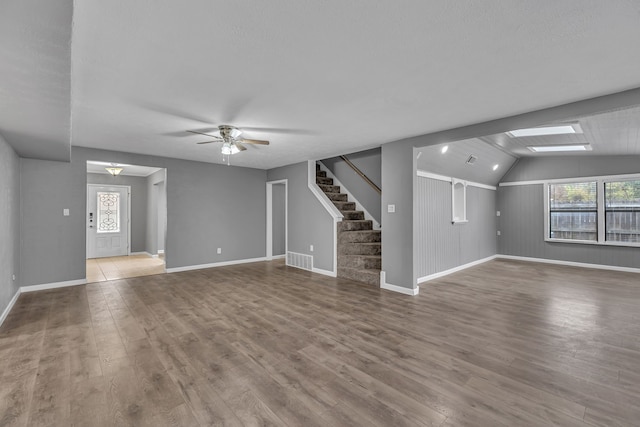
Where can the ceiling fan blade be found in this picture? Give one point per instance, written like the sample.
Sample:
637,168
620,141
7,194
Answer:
240,146
205,134
254,141
208,142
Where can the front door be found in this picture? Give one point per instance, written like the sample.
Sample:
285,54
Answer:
107,221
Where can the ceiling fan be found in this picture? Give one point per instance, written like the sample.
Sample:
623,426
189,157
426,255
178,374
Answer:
231,139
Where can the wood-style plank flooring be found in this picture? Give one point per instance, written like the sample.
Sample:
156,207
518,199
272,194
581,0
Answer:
501,344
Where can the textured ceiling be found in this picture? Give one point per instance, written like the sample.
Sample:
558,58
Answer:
612,133
35,75
332,77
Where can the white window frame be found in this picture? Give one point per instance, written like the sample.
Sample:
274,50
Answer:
601,216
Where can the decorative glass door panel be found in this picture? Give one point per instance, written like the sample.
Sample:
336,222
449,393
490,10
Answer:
108,220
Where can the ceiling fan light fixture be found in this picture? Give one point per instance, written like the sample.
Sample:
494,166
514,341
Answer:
235,132
229,149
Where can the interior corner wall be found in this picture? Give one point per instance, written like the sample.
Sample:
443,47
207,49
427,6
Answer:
370,163
154,203
309,222
139,196
208,206
443,245
9,223
278,215
521,221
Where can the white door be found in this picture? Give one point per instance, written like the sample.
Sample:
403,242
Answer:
107,221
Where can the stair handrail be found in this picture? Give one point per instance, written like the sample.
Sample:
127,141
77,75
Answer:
361,174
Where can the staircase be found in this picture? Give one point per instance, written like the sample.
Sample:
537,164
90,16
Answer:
359,245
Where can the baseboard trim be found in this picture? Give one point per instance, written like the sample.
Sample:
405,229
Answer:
395,288
278,256
570,263
160,251
324,272
144,253
7,310
55,285
214,264
455,269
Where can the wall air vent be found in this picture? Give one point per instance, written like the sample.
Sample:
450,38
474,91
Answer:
472,159
302,261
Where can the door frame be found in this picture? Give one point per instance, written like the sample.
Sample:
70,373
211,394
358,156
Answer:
269,216
86,215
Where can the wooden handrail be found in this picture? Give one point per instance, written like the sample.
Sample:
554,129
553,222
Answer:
362,175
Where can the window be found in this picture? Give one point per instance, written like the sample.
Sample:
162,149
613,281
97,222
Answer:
622,211
573,211
598,210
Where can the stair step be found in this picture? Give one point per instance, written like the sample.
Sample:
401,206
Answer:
325,181
337,197
348,225
321,174
366,262
329,188
360,236
369,276
353,215
345,206
370,248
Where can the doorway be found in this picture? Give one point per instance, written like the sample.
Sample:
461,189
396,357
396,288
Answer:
126,221
277,220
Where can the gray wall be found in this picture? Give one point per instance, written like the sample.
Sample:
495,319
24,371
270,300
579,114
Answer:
535,168
208,206
309,222
162,215
156,211
138,204
370,163
9,223
278,219
443,245
521,207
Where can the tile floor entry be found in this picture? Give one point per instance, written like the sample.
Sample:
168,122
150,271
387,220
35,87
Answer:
122,267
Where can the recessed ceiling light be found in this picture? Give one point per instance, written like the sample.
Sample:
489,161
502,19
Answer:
557,148
546,130
444,149
495,167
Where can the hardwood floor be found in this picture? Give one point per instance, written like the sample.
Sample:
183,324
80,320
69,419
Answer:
501,344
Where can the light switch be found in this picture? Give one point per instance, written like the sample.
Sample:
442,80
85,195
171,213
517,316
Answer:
498,232
497,213
219,251
65,212
391,208
311,248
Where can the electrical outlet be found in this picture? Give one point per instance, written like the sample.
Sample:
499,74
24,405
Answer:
13,276
65,212
311,248
391,208
219,251
497,213
498,232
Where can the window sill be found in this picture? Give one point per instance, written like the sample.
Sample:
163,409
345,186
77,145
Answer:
591,242
459,221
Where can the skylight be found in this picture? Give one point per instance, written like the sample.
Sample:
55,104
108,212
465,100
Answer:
558,148
546,130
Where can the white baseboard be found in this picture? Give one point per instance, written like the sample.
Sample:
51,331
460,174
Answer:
278,256
395,288
160,251
214,264
55,285
570,263
7,310
454,269
324,272
143,253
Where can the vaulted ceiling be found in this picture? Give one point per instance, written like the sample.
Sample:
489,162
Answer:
317,79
